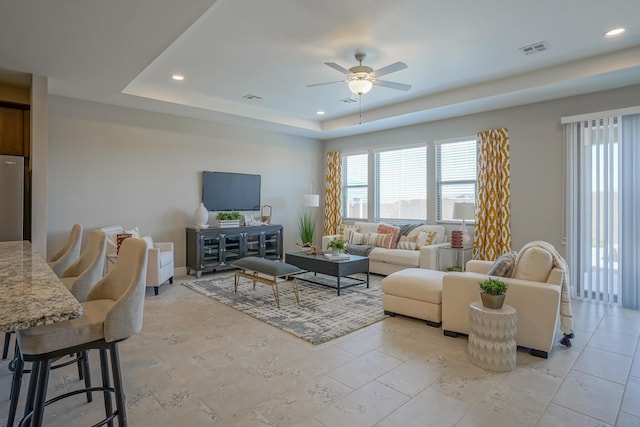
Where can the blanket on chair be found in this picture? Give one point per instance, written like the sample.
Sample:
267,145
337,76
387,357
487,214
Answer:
566,316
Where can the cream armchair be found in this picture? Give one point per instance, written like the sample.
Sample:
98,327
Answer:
160,265
537,304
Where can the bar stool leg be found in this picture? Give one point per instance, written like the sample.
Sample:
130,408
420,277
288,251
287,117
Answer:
33,380
43,368
117,384
83,359
104,370
16,383
7,341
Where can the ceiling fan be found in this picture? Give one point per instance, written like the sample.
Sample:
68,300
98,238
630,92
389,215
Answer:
362,78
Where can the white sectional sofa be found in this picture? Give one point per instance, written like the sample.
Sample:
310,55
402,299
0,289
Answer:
383,260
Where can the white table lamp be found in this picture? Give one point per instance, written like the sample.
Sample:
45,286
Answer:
464,211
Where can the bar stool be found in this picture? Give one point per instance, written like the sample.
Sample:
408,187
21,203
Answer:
68,253
87,270
79,278
112,313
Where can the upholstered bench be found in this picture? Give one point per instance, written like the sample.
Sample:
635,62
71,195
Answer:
414,292
255,269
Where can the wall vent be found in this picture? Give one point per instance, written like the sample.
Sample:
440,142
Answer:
348,100
251,96
534,48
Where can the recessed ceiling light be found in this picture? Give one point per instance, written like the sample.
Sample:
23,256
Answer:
178,77
615,32
320,113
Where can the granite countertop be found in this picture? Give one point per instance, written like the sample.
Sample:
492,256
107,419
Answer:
30,292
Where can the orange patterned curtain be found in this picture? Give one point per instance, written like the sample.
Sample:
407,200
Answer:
492,235
333,195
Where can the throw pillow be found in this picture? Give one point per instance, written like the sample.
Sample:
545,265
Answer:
356,238
390,229
407,242
534,264
504,265
379,240
135,232
425,238
346,230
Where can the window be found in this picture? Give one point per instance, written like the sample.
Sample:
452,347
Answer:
355,186
455,175
401,184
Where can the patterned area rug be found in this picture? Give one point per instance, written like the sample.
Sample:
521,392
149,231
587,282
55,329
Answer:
321,316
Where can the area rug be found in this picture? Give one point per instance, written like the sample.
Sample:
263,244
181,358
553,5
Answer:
321,316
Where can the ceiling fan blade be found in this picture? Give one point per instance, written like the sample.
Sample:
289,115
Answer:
397,66
337,67
392,85
325,83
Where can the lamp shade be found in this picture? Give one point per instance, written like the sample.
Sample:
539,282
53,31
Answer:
464,210
360,86
311,200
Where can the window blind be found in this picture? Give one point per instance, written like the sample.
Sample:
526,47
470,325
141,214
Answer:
401,184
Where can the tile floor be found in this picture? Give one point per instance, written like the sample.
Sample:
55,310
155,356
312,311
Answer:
200,363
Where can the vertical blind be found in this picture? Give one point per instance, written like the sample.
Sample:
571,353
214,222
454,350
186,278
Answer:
595,237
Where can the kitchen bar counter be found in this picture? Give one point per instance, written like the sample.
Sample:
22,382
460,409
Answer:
30,292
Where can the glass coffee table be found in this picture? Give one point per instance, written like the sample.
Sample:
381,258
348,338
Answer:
342,268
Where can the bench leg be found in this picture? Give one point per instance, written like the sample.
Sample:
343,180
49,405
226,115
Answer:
276,294
295,290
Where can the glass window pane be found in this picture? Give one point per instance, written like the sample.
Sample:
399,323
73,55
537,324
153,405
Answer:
355,188
455,175
401,184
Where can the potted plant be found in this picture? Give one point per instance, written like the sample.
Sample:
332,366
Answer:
493,292
306,227
229,219
336,245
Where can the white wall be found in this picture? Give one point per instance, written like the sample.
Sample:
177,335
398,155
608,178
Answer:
109,165
535,136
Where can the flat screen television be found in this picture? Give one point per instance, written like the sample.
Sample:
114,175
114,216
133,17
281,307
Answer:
225,191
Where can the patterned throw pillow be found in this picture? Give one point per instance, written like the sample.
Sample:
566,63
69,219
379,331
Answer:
346,230
390,229
425,238
356,238
379,240
504,265
407,242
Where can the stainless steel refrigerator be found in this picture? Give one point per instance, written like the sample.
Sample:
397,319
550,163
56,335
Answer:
11,197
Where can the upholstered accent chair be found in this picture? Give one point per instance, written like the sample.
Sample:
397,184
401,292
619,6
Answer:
68,253
534,291
160,268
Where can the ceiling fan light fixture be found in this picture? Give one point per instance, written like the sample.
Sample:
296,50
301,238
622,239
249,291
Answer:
360,86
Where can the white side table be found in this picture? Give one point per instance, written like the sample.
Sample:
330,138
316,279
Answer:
491,344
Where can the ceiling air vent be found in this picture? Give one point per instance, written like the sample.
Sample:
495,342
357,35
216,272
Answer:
534,48
251,96
348,100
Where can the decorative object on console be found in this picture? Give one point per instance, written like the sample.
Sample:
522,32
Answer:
493,292
266,219
456,239
228,219
464,211
201,216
